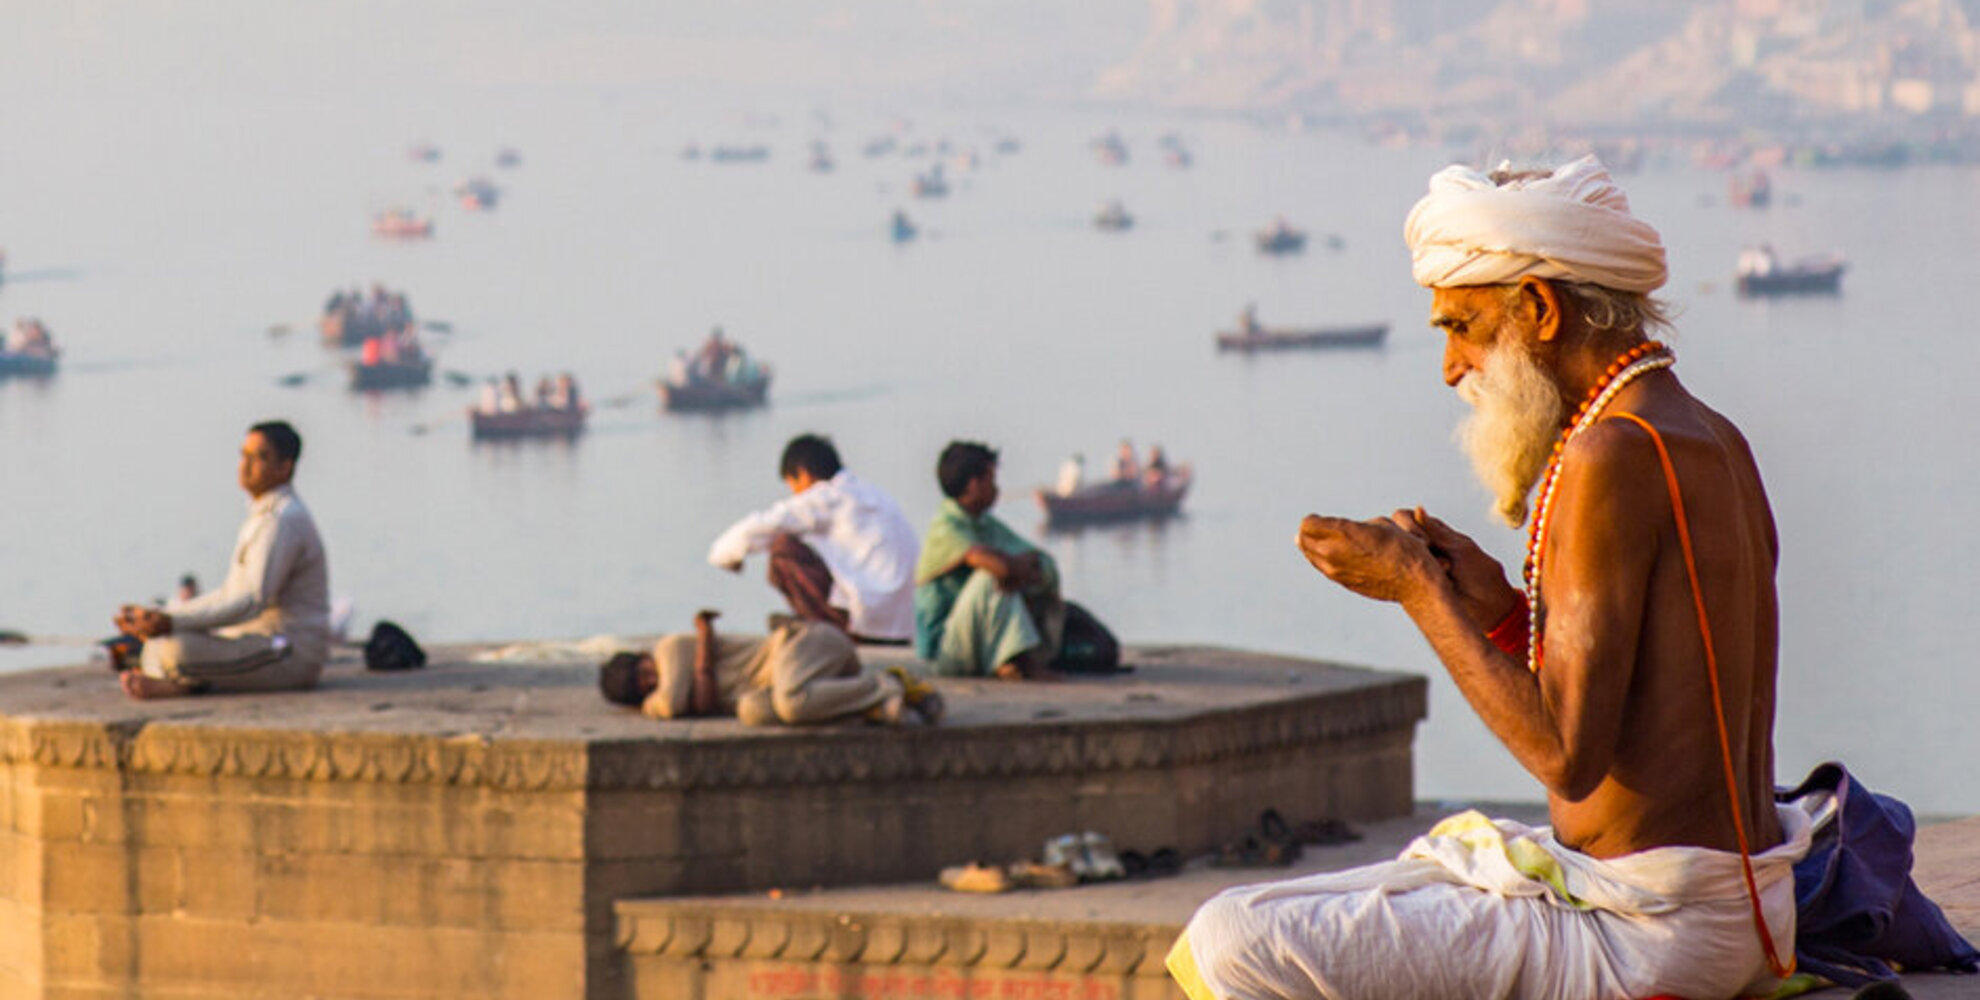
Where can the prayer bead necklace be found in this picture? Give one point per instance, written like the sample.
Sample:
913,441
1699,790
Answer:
1634,363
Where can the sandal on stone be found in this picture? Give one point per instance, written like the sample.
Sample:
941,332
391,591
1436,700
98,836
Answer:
1242,853
1275,837
1325,833
1069,851
1102,863
921,696
1036,875
973,877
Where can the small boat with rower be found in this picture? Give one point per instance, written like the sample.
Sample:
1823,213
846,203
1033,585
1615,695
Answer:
1117,500
28,350
1763,274
720,376
1251,337
1280,239
1113,217
477,194
528,422
401,224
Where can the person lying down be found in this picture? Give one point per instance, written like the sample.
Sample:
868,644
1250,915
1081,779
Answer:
802,672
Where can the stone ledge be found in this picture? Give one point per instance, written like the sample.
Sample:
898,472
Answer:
547,731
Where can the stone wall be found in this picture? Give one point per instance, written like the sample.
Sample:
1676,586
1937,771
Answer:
468,832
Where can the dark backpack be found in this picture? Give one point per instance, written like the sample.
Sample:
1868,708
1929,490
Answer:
391,648
1858,911
1086,647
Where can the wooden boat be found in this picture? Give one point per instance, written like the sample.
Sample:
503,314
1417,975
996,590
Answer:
1760,275
1280,239
1260,338
477,194
400,223
930,184
26,363
1113,217
740,154
391,375
528,422
686,395
344,328
1115,501
1750,189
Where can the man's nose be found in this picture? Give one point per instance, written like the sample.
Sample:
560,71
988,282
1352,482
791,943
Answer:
1455,365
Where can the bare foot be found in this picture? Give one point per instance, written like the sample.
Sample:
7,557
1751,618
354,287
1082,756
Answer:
143,688
1010,672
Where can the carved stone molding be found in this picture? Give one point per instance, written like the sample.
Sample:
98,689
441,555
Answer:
687,933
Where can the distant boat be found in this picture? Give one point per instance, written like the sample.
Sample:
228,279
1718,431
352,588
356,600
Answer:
1750,189
401,224
1113,217
1174,153
528,422
740,154
703,395
720,376
477,194
902,229
28,350
1111,149
1280,239
424,152
28,364
1761,273
821,158
931,184
508,157
1008,146
1250,336
879,146
382,375
1115,501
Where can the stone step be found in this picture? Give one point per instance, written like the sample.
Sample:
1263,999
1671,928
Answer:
1095,942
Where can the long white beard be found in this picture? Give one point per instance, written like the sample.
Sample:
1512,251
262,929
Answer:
1509,436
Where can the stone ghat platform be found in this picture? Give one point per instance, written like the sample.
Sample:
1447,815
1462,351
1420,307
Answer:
1095,942
467,829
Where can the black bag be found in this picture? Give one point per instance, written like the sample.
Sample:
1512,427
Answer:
391,648
1086,647
1857,910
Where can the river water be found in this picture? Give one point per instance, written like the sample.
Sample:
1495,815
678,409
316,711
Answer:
169,247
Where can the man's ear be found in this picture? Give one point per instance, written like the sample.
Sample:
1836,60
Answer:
1540,306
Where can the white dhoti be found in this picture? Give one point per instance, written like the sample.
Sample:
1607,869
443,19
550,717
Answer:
1481,909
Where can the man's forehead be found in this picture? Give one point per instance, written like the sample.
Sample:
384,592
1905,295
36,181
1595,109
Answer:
1461,304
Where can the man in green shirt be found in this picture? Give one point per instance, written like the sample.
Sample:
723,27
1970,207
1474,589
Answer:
986,602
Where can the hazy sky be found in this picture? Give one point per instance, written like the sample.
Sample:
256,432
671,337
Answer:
307,50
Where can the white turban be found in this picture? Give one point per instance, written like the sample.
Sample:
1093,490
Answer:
1573,224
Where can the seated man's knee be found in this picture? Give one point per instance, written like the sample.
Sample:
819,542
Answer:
160,658
757,708
790,705
785,545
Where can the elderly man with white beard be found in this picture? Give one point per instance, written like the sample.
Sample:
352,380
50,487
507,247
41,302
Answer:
1633,677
